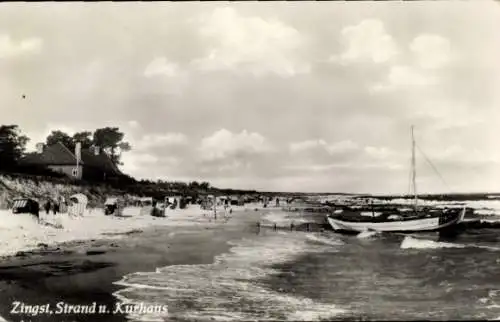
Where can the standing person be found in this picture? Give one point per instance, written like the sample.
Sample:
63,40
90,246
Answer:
62,204
54,207
36,211
47,206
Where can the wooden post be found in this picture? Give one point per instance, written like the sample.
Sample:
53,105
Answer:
215,207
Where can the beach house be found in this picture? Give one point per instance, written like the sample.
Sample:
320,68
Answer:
94,164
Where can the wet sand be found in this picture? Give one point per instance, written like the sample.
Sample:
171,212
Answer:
83,272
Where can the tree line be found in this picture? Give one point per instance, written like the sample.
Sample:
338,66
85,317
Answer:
110,139
13,143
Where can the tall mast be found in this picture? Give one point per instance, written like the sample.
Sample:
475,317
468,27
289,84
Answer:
413,168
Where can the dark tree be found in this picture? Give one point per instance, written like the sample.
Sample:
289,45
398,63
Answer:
84,137
12,146
64,138
111,139
194,185
204,185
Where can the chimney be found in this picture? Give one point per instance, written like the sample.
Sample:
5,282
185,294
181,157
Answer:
40,147
78,152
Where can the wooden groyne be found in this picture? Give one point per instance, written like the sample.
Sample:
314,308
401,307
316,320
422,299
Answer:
305,227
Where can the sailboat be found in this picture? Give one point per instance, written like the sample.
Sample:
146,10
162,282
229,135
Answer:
416,219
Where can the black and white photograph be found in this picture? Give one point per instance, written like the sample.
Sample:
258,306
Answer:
249,161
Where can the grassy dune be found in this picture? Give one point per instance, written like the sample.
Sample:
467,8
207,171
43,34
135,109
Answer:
40,188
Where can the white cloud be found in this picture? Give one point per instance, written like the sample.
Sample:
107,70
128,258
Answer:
161,66
9,48
378,152
41,136
431,51
136,161
404,77
232,165
358,156
388,165
224,144
306,145
133,124
343,156
318,167
342,147
457,155
407,76
335,148
139,164
447,115
450,152
368,41
35,137
160,140
251,44
144,158
462,157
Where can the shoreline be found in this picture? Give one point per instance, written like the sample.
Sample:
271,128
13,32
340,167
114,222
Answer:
86,271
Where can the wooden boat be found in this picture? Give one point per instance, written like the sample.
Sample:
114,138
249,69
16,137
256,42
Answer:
414,222
415,219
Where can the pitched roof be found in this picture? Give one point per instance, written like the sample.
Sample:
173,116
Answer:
59,154
101,161
55,154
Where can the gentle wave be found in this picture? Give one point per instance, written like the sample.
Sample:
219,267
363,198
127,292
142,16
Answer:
324,240
367,234
286,218
229,288
417,243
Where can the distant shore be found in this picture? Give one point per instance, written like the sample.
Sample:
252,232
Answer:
83,272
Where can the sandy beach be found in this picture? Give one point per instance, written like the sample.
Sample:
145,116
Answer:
81,272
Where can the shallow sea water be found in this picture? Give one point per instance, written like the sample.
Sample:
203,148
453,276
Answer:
283,275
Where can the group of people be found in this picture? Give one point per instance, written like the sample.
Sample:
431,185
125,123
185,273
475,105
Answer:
53,206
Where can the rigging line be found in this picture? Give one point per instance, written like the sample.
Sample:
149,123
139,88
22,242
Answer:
434,168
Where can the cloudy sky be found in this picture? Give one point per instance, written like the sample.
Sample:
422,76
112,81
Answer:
314,96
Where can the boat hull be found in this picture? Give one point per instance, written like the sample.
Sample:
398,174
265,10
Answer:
408,226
